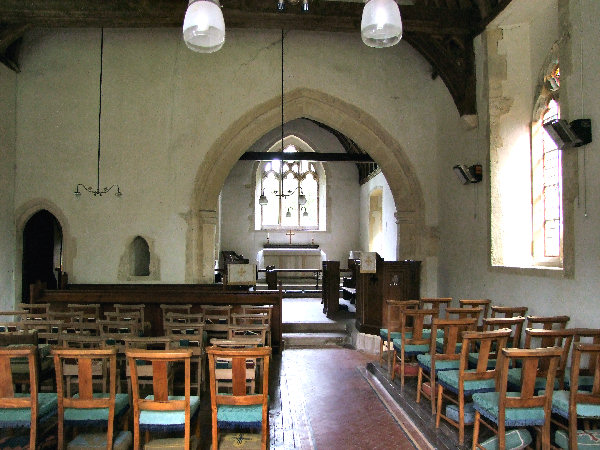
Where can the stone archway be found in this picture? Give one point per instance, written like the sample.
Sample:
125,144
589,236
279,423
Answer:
308,103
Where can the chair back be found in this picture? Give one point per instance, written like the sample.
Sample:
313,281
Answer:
411,326
435,303
86,361
486,345
543,338
547,323
514,323
465,313
394,312
87,312
532,360
508,311
453,333
160,401
239,359
477,303
178,309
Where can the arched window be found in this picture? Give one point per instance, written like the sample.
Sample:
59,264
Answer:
141,257
546,175
294,193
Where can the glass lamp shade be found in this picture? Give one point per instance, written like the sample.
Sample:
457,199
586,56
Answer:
288,214
204,26
302,199
381,25
262,200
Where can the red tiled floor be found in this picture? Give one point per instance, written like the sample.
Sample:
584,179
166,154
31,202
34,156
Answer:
342,409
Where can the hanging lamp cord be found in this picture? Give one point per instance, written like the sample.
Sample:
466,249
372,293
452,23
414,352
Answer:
282,91
100,109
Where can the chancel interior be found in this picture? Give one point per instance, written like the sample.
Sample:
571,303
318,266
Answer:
312,188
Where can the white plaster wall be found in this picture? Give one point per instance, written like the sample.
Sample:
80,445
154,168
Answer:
8,84
165,106
388,223
464,259
238,201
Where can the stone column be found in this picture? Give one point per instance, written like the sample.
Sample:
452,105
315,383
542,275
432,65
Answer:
200,248
407,235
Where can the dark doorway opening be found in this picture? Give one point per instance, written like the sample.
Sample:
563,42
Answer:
42,252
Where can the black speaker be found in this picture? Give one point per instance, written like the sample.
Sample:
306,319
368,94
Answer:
565,135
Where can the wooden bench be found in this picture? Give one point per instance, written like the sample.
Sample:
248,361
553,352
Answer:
153,295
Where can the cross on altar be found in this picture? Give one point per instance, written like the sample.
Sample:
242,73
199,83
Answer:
290,234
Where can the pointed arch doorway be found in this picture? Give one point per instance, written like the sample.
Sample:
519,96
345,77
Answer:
42,252
413,236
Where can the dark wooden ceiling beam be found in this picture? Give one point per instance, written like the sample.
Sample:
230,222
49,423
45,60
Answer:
306,156
334,16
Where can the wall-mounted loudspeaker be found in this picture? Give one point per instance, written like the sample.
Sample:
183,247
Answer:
574,134
466,175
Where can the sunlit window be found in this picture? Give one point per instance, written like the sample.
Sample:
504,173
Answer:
286,185
546,163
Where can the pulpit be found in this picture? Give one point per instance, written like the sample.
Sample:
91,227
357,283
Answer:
386,280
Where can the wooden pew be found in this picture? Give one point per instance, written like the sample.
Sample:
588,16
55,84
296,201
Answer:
153,295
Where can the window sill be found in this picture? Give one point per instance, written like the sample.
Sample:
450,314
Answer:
540,271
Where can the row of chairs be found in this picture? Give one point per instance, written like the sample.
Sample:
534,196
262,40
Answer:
466,356
161,411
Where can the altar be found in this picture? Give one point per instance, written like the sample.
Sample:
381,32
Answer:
291,258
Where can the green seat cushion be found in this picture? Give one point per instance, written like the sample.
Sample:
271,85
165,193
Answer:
585,439
439,344
474,358
514,440
452,412
425,362
21,417
560,406
410,349
383,333
487,405
514,380
449,380
122,440
162,420
87,416
585,382
239,416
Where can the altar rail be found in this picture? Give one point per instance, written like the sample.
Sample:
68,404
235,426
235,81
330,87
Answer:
153,295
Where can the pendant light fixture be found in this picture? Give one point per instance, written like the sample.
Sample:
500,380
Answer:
262,200
97,191
204,26
381,24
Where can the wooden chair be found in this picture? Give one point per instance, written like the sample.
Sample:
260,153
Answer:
547,323
133,312
144,371
70,367
446,359
579,405
508,311
161,411
217,319
586,374
35,311
177,309
515,324
522,408
413,340
87,407
540,338
240,409
435,303
386,336
85,312
485,304
456,386
190,336
22,410
251,319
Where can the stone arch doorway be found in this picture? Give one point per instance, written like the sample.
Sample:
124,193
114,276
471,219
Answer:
332,111
42,252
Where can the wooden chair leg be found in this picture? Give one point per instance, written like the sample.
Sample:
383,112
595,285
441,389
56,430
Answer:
461,420
439,405
393,374
475,431
419,383
432,391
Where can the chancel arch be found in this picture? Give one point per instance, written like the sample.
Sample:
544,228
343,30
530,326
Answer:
324,108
